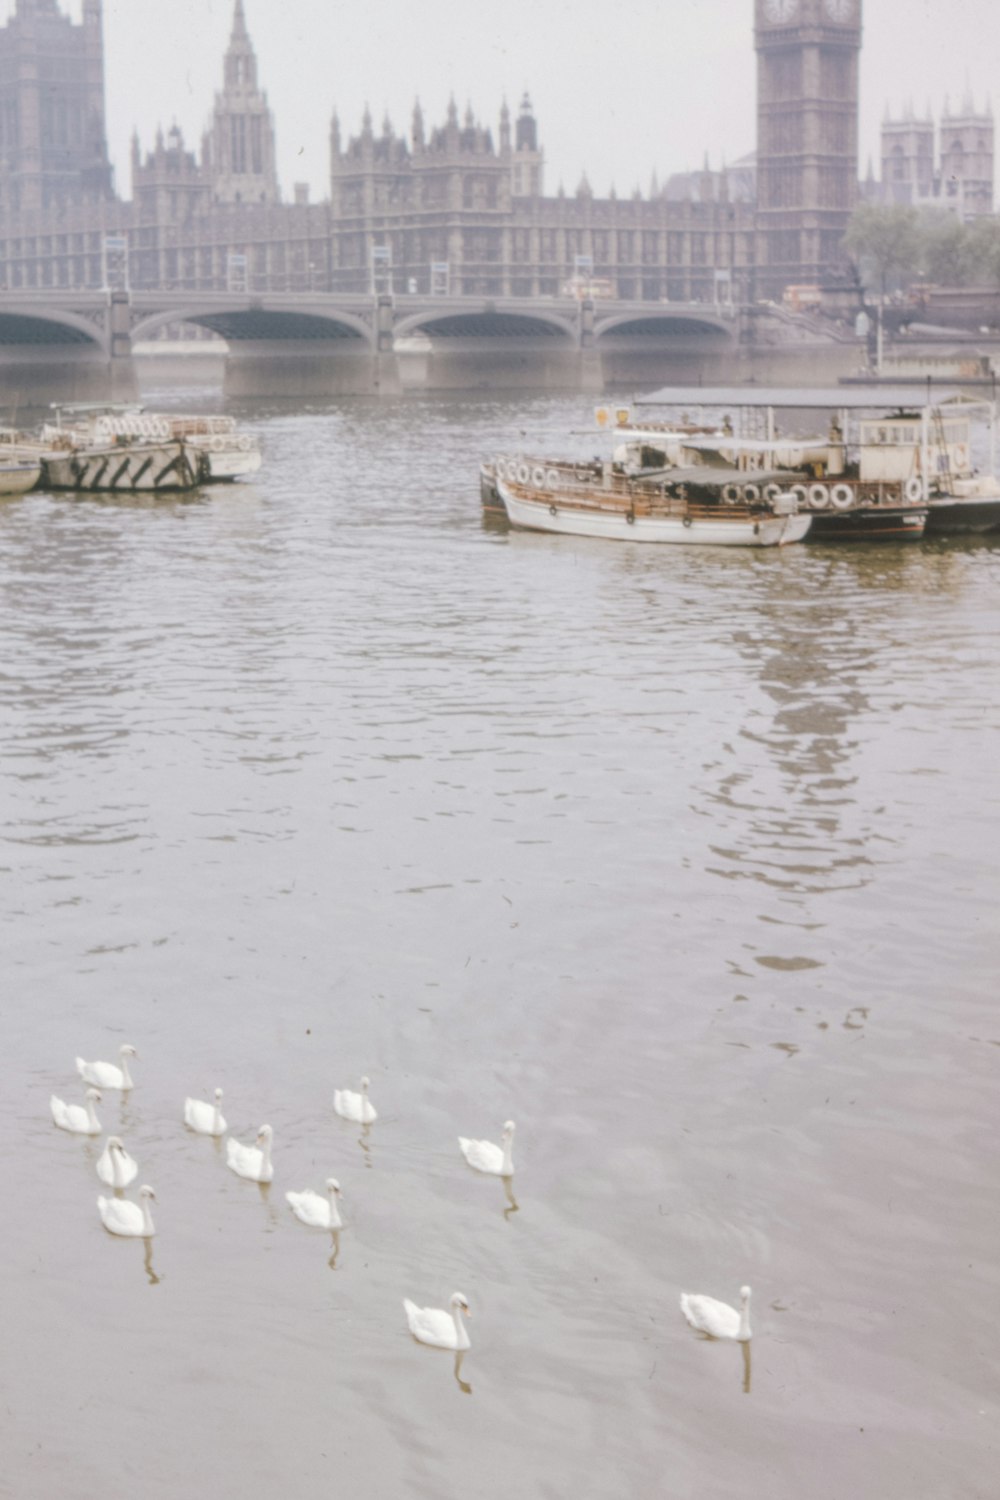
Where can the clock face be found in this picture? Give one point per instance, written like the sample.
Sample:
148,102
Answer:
780,10
839,10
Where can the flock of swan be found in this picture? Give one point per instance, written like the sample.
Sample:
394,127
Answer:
429,1325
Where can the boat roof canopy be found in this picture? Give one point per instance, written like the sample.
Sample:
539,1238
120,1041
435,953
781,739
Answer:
832,398
713,475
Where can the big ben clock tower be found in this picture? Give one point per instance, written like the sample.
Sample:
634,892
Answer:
807,137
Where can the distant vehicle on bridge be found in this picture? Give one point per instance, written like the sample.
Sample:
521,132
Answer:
584,287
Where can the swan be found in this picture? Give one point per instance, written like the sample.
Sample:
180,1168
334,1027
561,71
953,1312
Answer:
104,1074
315,1210
486,1157
432,1325
82,1120
114,1165
254,1161
718,1319
355,1106
122,1216
206,1119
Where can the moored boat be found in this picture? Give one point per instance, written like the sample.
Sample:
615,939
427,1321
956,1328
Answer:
681,507
896,463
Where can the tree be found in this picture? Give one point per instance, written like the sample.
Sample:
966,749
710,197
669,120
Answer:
985,250
946,249
885,243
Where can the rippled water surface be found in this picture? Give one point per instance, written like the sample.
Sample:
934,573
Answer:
683,859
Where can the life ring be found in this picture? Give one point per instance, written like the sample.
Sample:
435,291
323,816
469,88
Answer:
687,521
553,511
751,493
819,496
772,492
913,489
800,495
162,427
731,494
552,478
842,497
523,474
511,468
538,476
630,517
244,443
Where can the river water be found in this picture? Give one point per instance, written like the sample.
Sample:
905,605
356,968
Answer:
683,859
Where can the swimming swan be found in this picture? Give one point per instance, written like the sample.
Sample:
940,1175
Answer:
718,1319
486,1157
432,1325
206,1119
121,1216
115,1166
315,1210
82,1120
355,1106
104,1074
249,1161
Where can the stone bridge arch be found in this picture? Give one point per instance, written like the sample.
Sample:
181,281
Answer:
261,323
665,324
485,321
36,326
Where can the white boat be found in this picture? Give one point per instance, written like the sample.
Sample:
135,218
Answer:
682,507
20,461
18,475
229,453
896,462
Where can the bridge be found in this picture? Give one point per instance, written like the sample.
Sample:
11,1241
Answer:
80,344
62,344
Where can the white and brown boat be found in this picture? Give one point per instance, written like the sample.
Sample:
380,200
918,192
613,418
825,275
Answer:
690,506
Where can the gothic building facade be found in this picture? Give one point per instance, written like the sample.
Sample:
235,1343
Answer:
456,206
950,167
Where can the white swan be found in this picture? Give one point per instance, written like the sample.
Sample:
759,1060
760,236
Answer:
253,1162
432,1325
115,1166
104,1074
315,1210
206,1119
81,1119
486,1157
355,1106
718,1319
121,1216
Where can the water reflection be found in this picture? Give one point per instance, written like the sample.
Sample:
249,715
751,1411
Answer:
147,1260
463,1385
513,1206
746,1365
335,1241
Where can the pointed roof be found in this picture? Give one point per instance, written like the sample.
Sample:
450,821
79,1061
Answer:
239,32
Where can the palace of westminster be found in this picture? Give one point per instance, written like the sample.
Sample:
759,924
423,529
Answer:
453,207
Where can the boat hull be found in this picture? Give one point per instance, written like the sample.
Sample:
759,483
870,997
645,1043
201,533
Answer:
137,468
870,523
715,526
18,478
963,517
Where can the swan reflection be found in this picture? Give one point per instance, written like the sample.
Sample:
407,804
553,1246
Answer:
746,1366
463,1385
513,1206
147,1260
335,1241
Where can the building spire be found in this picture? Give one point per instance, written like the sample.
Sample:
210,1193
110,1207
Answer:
239,32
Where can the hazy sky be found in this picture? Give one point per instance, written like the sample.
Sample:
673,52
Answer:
619,90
